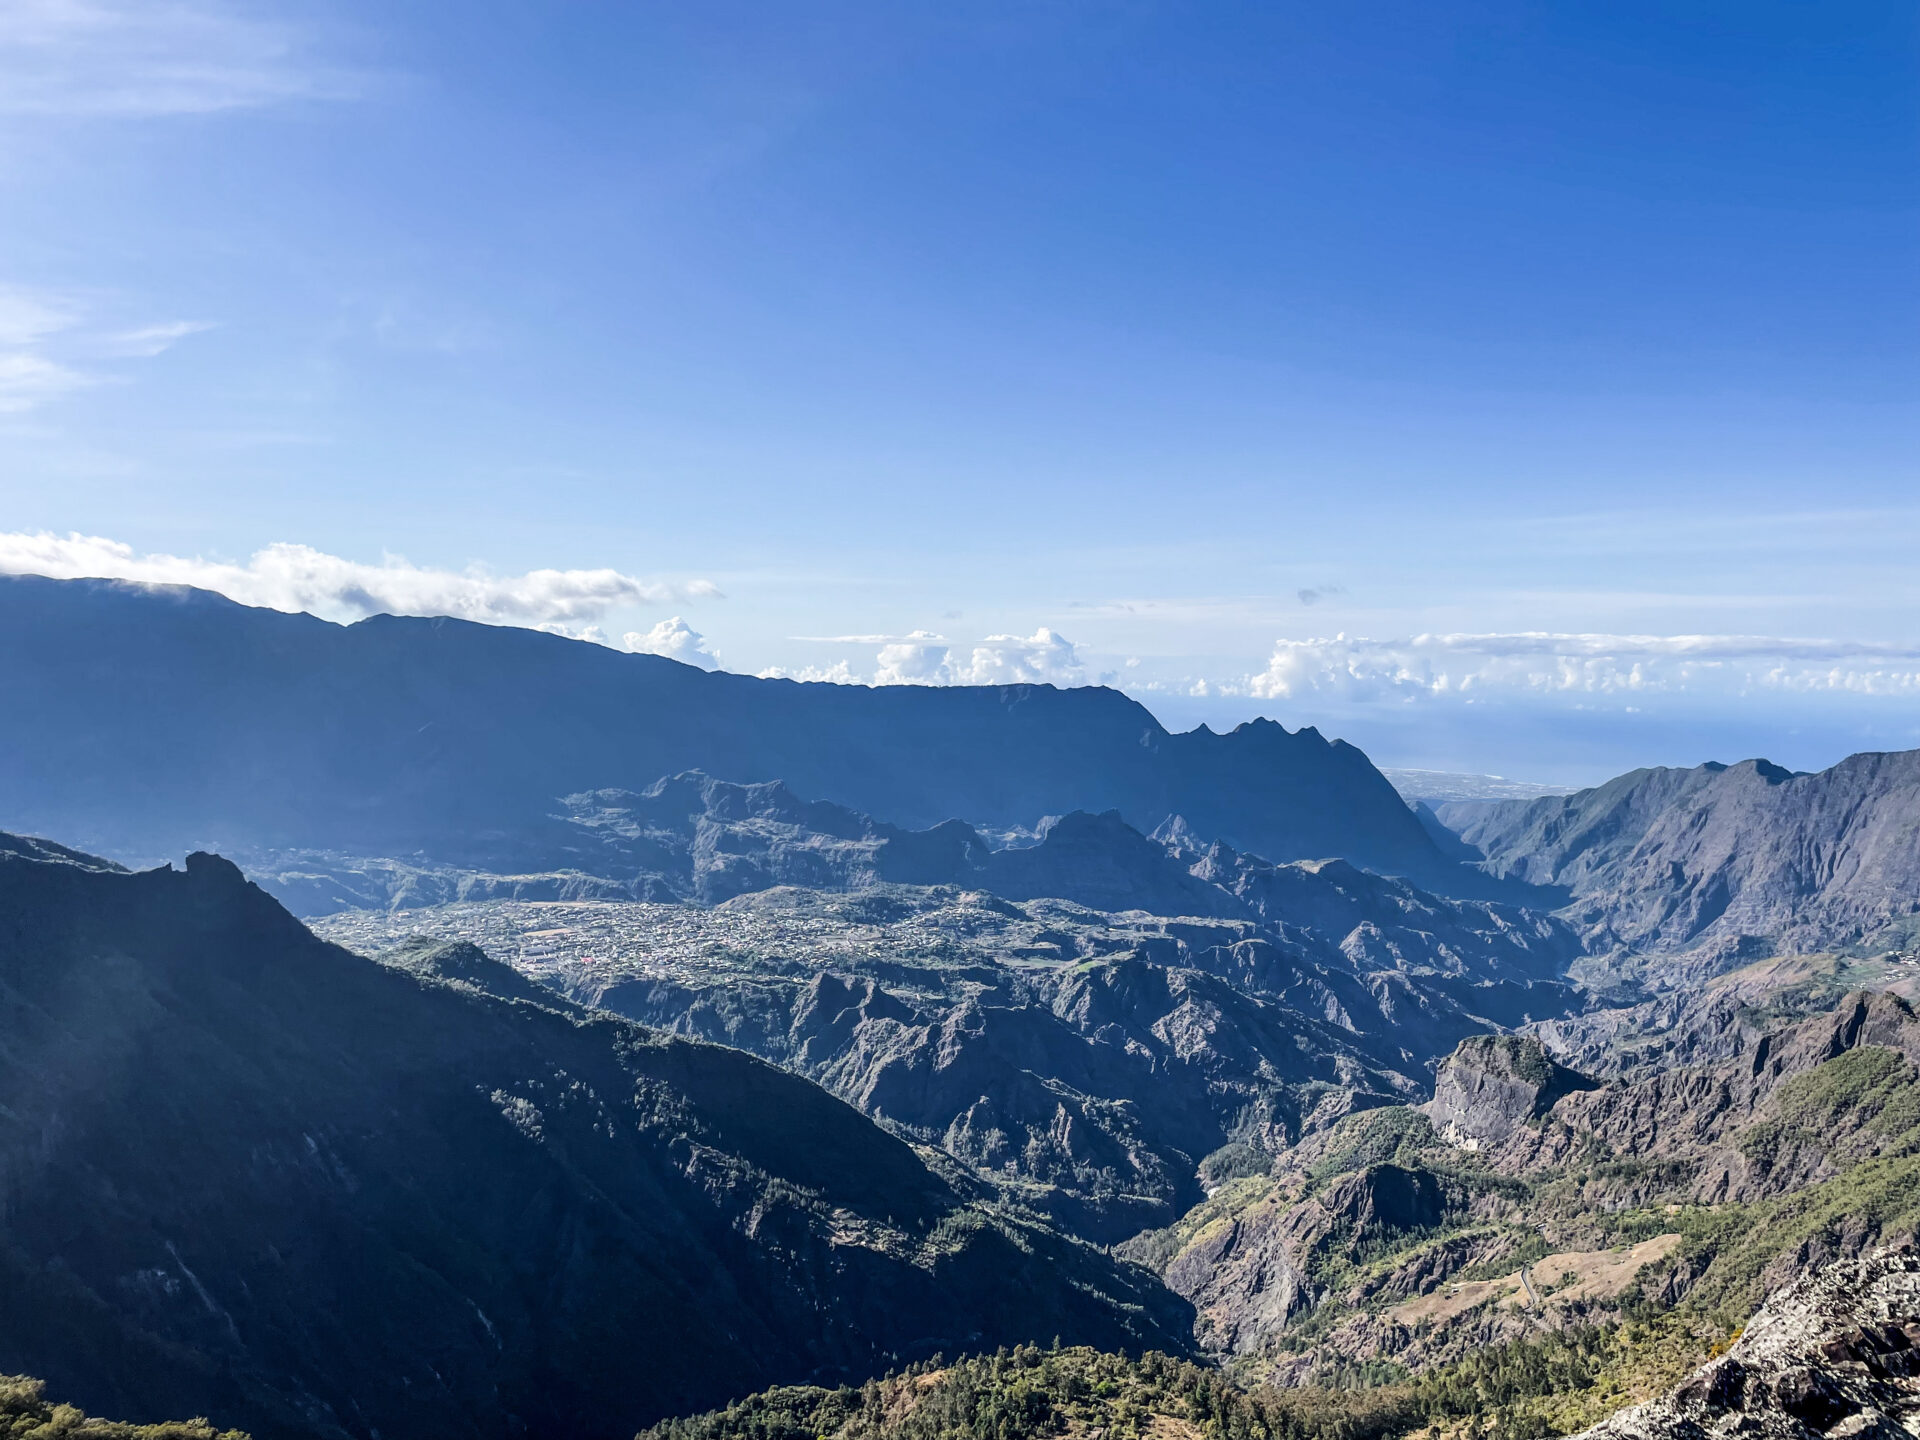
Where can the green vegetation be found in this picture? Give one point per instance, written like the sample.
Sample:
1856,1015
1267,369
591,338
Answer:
1395,1134
1868,1090
1874,1202
1154,1248
1520,1056
1524,1390
27,1414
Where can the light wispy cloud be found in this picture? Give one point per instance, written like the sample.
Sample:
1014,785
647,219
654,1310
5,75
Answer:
47,342
146,58
912,637
146,341
28,375
299,577
1544,664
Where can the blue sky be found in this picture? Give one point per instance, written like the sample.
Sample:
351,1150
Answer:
1524,388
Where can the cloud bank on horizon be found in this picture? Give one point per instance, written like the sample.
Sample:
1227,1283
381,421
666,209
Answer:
1502,701
300,578
1543,664
1341,669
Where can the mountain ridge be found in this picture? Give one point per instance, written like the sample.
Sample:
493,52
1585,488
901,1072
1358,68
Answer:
253,1175
1737,860
161,719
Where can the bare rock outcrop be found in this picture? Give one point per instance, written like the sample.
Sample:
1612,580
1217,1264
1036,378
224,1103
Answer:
1492,1085
1835,1354
1758,1124
1250,1272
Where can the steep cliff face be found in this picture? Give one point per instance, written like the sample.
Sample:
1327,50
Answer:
1250,1270
1740,858
251,1175
1837,1353
1493,1085
1799,1106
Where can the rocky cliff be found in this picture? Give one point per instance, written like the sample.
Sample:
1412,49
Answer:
1493,1085
1837,1353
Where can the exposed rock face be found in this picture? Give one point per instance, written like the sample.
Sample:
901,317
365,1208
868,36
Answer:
1383,923
250,1175
163,718
1383,1199
1247,1273
1834,1354
1773,1118
1107,1083
1243,1279
1690,1027
1493,1085
1740,859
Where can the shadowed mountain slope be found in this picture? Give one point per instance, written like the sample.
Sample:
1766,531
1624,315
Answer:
251,1175
157,718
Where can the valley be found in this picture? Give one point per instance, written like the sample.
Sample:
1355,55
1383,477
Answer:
715,1105
991,721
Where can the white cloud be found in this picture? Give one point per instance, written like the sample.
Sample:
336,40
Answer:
298,577
41,335
134,58
27,375
1040,658
840,672
28,317
676,640
912,637
921,658
1545,664
28,380
912,663
147,341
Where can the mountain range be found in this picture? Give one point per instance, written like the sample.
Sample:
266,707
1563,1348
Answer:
1092,1015
154,719
1737,861
941,1064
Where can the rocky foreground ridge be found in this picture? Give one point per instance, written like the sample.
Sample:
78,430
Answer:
1836,1353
